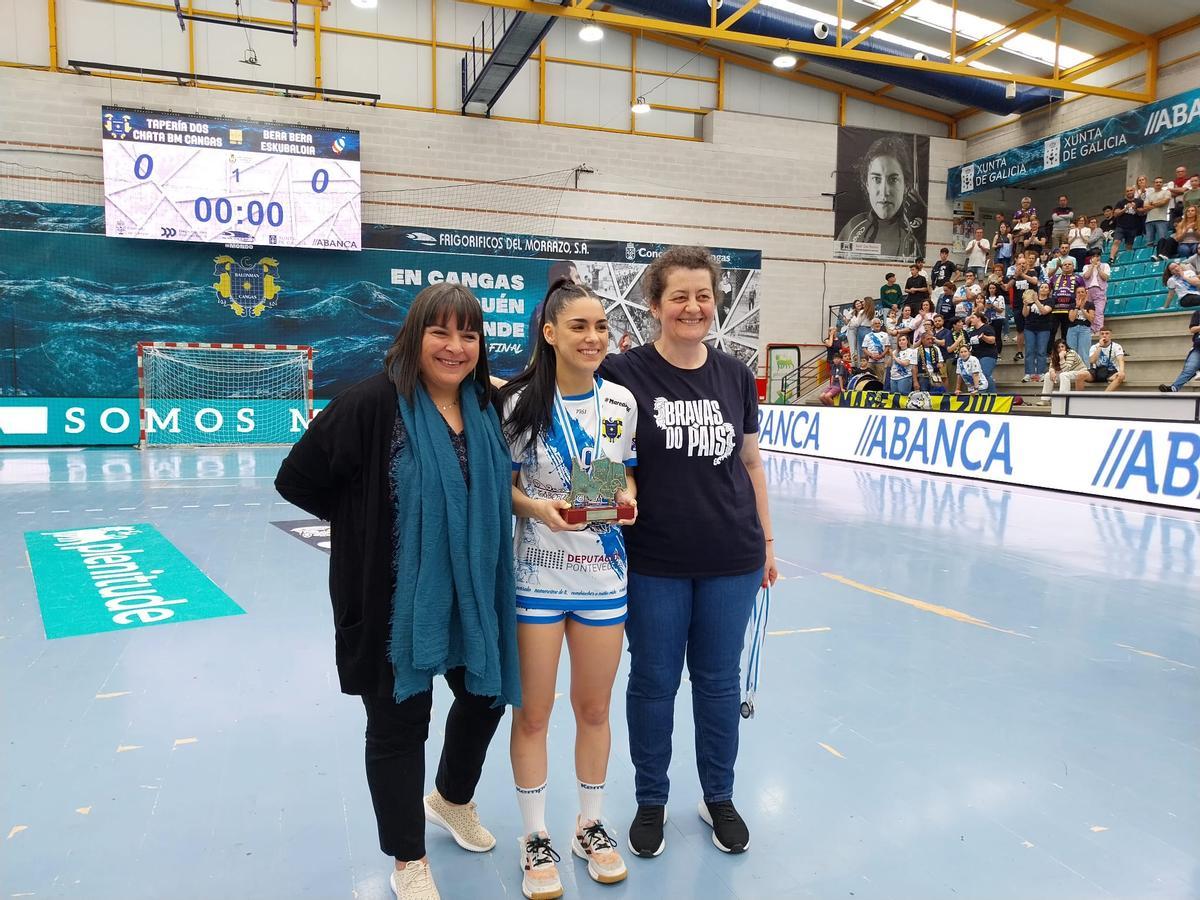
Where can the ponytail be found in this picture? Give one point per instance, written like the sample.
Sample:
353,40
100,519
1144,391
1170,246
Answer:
533,411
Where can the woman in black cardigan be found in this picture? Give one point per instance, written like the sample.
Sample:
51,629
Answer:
410,466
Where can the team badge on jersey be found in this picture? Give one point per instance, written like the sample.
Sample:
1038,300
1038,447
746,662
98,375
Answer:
613,428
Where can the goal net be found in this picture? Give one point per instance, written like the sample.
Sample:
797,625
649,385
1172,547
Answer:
193,393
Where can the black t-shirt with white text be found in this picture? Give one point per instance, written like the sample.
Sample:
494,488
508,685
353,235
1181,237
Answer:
1125,214
697,516
942,271
982,347
916,281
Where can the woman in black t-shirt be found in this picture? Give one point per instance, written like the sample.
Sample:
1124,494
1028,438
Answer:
701,548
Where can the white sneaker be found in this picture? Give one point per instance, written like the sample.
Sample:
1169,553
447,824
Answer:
593,844
540,880
1027,379
461,821
414,882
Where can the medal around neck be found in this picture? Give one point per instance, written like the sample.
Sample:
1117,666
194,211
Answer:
593,493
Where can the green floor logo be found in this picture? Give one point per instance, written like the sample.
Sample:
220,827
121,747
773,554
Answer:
117,577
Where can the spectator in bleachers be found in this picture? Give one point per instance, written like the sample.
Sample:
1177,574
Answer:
834,346
1186,238
1079,334
924,321
930,362
1181,281
1038,308
1035,241
904,324
995,308
1191,197
1158,213
1079,236
982,339
875,347
945,303
1128,220
943,336
1191,364
1018,280
858,325
958,338
1024,212
916,288
1061,218
890,293
997,274
969,288
1106,364
1140,186
837,382
970,373
1095,275
944,269
1178,187
1061,252
1108,223
904,361
1063,285
1002,245
979,251
1098,237
1065,365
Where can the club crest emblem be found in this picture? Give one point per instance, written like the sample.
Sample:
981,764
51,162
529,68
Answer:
613,428
117,126
246,288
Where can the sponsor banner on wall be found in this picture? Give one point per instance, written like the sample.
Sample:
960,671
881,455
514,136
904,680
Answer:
1151,462
76,302
880,211
72,421
1163,120
117,578
966,403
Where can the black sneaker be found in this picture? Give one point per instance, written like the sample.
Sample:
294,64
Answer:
730,833
1166,388
646,833
1020,357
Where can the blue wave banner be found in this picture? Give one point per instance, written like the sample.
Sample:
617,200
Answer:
1153,123
74,303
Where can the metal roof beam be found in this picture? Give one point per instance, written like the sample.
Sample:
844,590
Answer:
706,33
995,41
881,18
1083,18
733,17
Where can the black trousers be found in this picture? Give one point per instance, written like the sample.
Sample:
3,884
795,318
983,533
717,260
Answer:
395,756
1059,324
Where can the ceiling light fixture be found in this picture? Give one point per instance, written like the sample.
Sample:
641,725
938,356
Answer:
591,33
784,61
641,107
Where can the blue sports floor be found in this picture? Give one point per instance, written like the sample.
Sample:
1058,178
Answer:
969,691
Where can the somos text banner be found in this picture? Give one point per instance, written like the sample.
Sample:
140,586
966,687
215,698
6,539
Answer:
1149,462
74,304
1153,123
880,211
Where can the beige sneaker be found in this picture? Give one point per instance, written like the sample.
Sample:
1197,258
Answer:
540,881
414,882
461,821
598,848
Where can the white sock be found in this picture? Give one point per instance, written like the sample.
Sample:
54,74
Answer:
591,801
532,802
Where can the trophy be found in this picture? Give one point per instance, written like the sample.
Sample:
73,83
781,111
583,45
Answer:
593,494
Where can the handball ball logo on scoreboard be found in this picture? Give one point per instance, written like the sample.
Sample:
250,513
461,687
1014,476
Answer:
213,180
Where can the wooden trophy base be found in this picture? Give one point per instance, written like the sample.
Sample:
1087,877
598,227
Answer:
579,514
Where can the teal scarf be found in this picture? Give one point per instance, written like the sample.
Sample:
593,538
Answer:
454,602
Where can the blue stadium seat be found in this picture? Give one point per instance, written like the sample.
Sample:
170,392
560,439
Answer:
1137,304
1137,270
1141,254
1139,242
1151,284
1156,266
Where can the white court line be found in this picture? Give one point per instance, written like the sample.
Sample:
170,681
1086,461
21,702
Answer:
191,506
26,512
126,508
251,504
160,507
93,510
215,505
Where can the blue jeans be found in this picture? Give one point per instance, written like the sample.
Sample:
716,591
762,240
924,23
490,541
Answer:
1186,250
1155,232
1037,343
902,385
988,364
1079,339
1191,366
705,620
854,334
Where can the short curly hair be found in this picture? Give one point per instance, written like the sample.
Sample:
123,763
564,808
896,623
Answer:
655,279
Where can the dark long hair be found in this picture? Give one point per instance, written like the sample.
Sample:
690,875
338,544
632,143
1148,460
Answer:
531,415
436,305
912,207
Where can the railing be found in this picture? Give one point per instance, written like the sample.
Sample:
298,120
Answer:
483,43
800,378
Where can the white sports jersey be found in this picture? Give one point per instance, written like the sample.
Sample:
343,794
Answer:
574,570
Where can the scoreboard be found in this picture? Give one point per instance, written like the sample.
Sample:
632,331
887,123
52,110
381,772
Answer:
192,178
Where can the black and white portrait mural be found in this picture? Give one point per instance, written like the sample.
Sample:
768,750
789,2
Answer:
880,211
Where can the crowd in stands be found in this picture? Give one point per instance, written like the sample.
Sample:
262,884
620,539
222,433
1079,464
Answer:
1041,281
